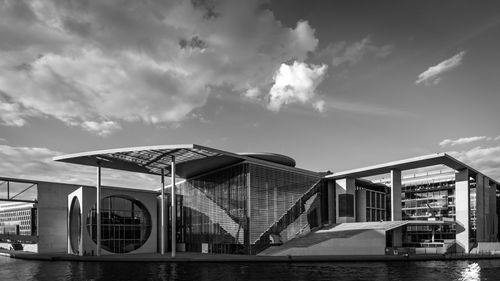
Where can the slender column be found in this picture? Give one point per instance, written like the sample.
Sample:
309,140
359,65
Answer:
162,215
397,233
98,209
331,202
462,207
174,210
487,214
395,195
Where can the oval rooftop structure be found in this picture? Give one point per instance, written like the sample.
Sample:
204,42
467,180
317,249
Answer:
271,157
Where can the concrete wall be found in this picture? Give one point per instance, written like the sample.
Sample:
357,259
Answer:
88,200
52,216
361,205
487,247
369,242
462,206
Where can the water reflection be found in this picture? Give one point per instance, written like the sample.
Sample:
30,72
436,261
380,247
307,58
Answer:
471,272
12,269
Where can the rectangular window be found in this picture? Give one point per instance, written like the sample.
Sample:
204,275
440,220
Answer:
346,205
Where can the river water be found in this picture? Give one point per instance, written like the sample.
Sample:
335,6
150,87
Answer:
12,269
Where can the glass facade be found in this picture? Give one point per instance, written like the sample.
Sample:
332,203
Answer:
375,205
473,210
273,193
229,210
125,224
21,221
422,201
215,211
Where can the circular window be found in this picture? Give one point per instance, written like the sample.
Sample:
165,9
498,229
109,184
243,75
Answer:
75,225
125,224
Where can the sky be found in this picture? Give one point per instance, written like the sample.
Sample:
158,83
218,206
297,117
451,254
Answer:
335,85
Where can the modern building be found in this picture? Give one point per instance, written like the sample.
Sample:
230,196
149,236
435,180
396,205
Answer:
18,219
260,203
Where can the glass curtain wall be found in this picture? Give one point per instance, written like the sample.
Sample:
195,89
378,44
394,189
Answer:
215,206
273,192
375,205
433,199
215,211
125,224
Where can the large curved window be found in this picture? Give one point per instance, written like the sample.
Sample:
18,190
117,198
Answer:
125,224
75,225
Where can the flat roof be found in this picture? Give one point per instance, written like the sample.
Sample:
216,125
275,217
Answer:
407,164
190,159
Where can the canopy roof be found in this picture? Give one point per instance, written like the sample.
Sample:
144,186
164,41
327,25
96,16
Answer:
190,159
407,164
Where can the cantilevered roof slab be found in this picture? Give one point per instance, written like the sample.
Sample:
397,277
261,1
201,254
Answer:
152,159
383,225
406,164
190,159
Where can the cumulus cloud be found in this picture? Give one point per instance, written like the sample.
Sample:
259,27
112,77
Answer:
343,53
96,64
460,141
432,75
319,105
36,163
296,83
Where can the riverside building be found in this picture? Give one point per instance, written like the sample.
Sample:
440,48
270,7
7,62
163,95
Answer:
261,204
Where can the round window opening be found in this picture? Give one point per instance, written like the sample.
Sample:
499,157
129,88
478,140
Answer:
125,224
75,225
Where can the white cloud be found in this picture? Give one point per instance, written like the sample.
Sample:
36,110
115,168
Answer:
460,141
319,105
354,53
484,159
11,114
153,62
431,75
296,83
36,163
253,93
497,138
103,128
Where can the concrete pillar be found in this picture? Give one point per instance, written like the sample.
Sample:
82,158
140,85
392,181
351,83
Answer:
480,209
361,205
331,202
174,210
395,195
493,212
345,200
98,209
462,213
488,218
162,214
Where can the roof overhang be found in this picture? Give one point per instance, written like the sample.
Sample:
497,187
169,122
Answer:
406,164
190,159
382,225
